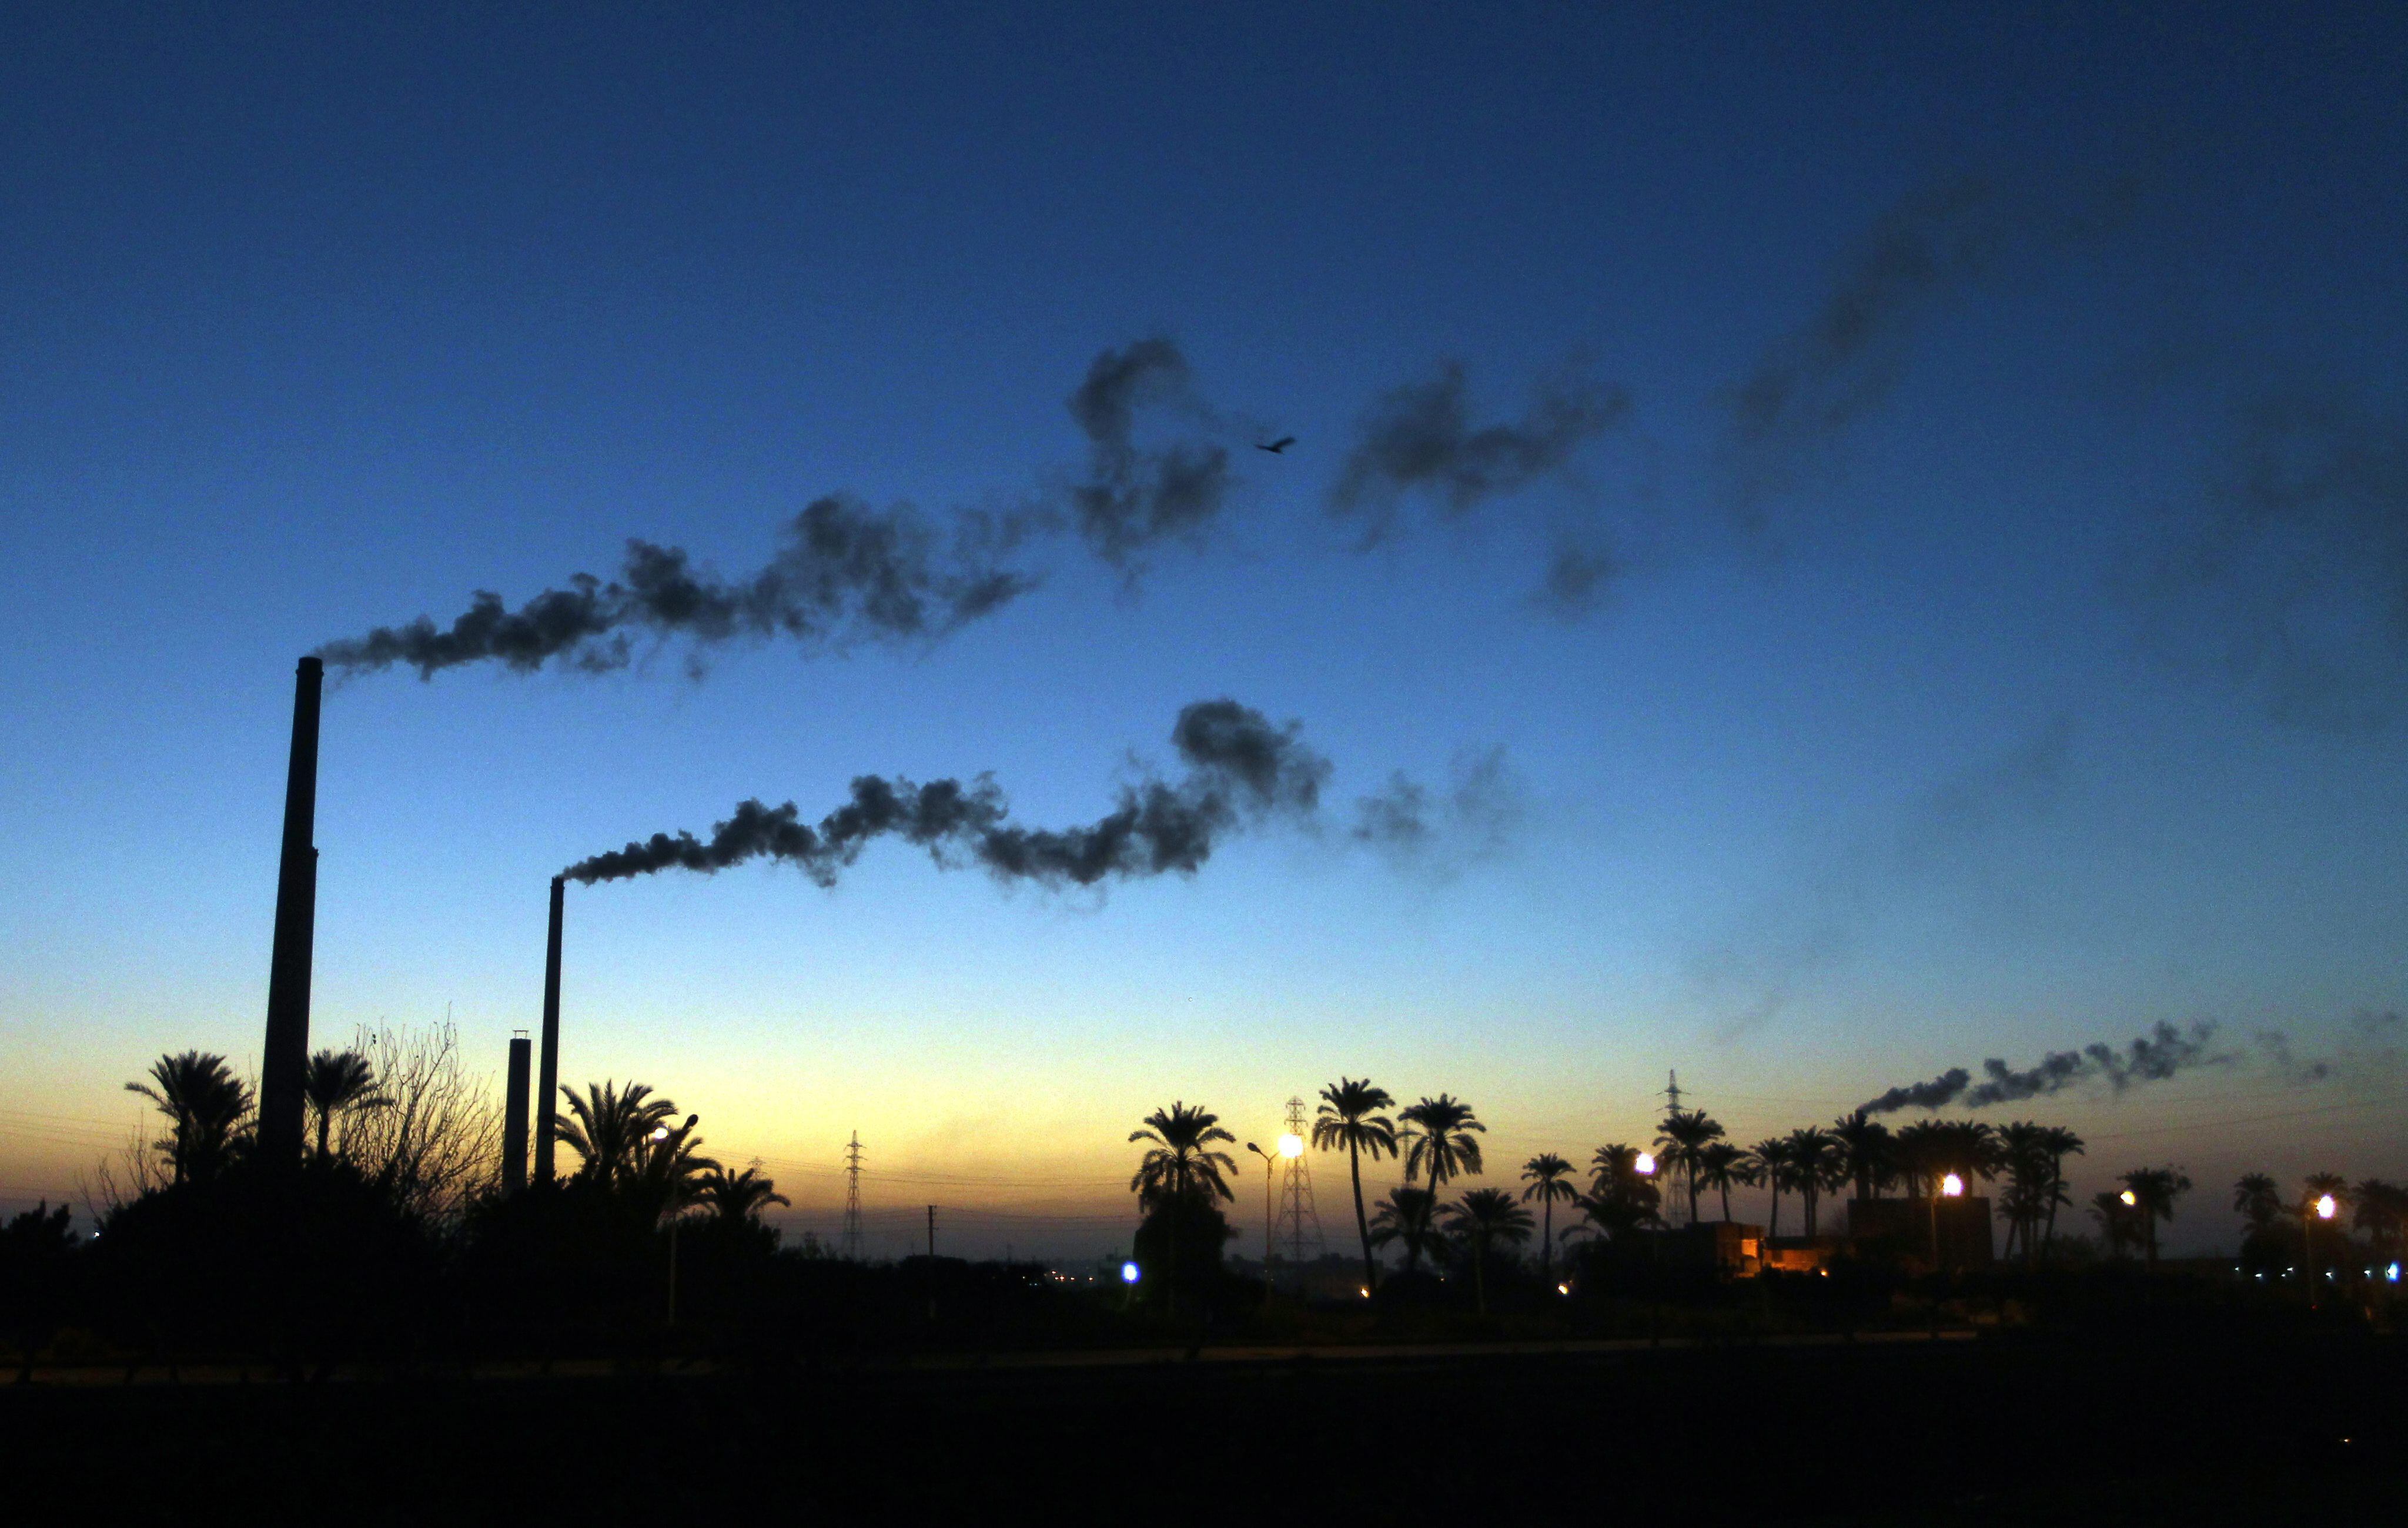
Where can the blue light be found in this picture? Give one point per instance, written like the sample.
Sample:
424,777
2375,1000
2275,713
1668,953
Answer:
1128,1273
2392,1273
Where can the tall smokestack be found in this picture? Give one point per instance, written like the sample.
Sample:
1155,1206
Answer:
548,1080
285,1057
514,1118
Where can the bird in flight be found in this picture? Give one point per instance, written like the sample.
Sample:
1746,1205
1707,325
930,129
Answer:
1278,446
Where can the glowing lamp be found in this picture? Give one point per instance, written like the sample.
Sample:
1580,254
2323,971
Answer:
2129,1198
1291,1146
1563,1289
1365,1291
2392,1273
1647,1162
2324,1206
1128,1273
1951,1186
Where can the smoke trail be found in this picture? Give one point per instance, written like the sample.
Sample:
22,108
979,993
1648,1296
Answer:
2290,573
2153,1057
1134,495
846,573
1240,768
1814,382
1438,837
1419,439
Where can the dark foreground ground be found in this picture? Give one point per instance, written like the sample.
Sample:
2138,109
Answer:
2005,1430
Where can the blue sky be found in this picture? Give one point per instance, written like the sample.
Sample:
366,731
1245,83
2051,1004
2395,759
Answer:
1913,758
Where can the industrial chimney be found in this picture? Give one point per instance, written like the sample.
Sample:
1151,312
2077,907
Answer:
285,1057
514,1118
547,1077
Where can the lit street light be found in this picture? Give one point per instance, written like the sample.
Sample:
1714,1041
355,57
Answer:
1645,1166
2129,1198
2323,1208
1267,1179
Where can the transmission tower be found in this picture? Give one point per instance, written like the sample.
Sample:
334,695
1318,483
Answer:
853,1199
1675,1210
1299,1222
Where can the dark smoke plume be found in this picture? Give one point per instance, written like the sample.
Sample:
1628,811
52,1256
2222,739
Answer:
1420,438
2150,1058
1814,382
2291,573
1438,837
846,573
1240,768
1134,495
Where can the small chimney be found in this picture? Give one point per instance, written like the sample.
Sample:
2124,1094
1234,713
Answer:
514,1118
548,1078
284,1059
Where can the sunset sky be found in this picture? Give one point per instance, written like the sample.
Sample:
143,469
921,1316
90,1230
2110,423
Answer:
1893,526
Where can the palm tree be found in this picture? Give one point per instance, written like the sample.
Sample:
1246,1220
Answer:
1919,1151
1550,1179
1480,1218
607,1128
1768,1162
739,1196
1181,1163
2028,1184
208,1108
1684,1134
1865,1148
1408,1216
337,1081
1620,1198
2060,1143
2382,1213
1815,1164
2258,1200
2153,1191
1351,1115
1438,1140
1722,1166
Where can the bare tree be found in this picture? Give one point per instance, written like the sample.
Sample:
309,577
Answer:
438,1142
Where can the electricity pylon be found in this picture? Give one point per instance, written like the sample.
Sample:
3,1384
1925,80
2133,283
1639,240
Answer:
1299,1221
853,1199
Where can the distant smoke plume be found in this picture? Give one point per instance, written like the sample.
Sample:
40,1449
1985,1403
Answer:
1135,495
1420,438
1817,380
846,573
2292,574
1240,768
1439,836
2154,1057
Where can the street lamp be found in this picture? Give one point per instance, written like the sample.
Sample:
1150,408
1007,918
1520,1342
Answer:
1268,1176
2323,1208
1645,1166
669,1182
1951,1186
2129,1198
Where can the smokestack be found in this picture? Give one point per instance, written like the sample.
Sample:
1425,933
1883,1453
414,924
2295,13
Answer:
548,1080
514,1118
285,1057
